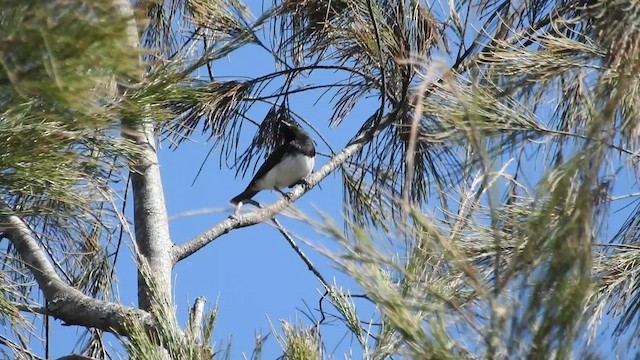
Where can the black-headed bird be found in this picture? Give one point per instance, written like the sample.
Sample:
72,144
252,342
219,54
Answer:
289,163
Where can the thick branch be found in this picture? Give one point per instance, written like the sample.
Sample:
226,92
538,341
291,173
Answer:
65,302
150,216
182,251
150,213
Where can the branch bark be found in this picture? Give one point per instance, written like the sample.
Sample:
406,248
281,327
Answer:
196,318
65,302
150,217
150,214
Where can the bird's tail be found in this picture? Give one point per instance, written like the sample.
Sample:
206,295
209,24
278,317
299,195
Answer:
245,195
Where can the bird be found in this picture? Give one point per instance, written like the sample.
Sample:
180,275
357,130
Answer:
287,165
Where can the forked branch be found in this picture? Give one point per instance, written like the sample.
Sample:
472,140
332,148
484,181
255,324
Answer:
65,302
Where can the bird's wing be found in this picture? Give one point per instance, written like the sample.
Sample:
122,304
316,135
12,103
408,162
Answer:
271,161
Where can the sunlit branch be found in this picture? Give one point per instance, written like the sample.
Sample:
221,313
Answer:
65,302
186,249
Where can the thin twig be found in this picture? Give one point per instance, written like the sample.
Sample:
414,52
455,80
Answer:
295,246
588,138
623,197
295,91
32,309
197,212
622,246
122,226
17,348
47,331
301,254
383,90
413,139
196,316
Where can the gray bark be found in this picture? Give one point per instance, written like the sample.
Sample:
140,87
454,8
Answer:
196,317
150,218
150,214
65,302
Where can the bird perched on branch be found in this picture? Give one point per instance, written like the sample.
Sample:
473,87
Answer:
289,163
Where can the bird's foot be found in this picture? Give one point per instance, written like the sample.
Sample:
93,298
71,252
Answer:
304,182
288,196
236,211
254,203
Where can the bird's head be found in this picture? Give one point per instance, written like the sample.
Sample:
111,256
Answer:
291,130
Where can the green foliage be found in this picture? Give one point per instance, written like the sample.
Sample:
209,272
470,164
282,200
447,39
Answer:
167,338
59,66
60,144
298,342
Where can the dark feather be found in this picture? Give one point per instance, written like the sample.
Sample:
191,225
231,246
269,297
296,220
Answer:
297,141
243,196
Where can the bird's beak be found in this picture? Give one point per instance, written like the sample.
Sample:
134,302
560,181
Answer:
288,122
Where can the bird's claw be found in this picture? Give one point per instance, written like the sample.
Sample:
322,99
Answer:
304,182
286,195
236,212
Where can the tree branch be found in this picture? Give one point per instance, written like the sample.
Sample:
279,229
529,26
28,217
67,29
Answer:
196,317
184,250
150,213
301,254
33,309
65,302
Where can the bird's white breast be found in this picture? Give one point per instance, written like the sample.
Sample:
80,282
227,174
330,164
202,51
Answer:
290,170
